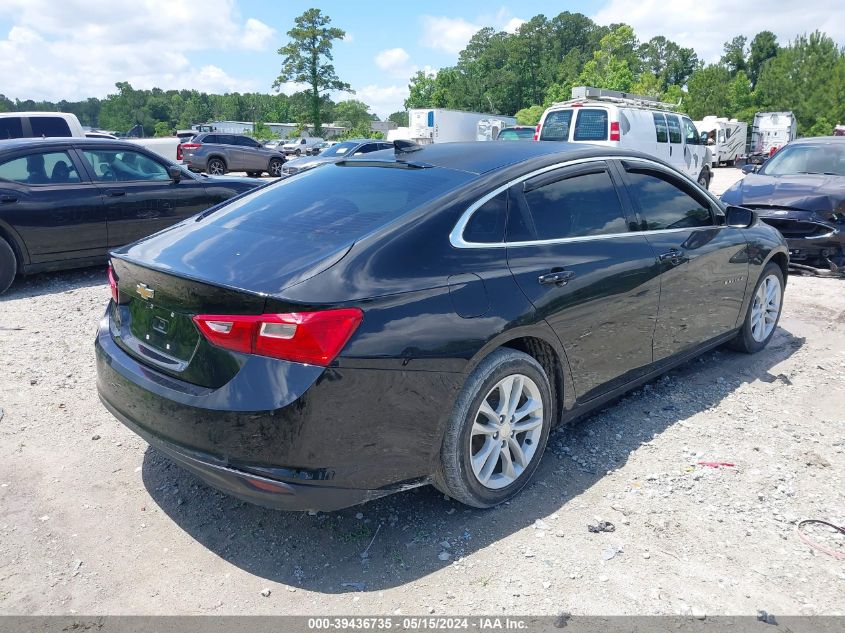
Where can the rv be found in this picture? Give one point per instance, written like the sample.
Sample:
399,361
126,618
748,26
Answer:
770,132
626,121
725,139
439,125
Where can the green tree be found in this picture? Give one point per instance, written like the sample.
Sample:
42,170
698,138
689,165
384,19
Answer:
353,114
612,64
400,118
706,92
764,46
420,90
306,60
530,116
734,58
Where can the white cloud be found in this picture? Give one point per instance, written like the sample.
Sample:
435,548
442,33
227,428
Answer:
81,48
394,62
706,26
383,100
447,34
512,25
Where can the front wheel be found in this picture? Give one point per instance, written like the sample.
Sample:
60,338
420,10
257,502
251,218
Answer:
763,313
8,265
216,167
497,431
275,167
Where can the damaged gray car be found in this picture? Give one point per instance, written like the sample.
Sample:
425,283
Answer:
800,191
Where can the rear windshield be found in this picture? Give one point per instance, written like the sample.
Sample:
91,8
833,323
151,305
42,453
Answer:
516,133
556,126
591,125
336,202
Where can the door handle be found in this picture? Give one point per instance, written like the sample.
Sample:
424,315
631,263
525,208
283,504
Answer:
558,277
116,192
6,199
673,256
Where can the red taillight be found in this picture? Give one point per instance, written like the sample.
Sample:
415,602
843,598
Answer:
537,133
315,338
615,134
115,295
179,152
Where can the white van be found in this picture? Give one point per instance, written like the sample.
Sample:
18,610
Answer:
617,119
301,146
38,124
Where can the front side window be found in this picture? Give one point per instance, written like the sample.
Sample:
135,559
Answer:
575,206
660,127
663,205
40,169
591,125
556,126
674,128
487,224
49,126
124,166
691,134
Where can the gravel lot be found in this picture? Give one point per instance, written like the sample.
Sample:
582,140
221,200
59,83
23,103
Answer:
94,521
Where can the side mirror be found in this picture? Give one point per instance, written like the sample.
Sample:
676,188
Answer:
175,172
739,217
750,168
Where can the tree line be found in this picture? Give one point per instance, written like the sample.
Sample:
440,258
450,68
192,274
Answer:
525,71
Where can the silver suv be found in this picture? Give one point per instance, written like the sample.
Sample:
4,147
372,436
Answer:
217,153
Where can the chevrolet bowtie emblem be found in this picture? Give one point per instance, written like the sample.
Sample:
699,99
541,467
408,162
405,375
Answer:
145,291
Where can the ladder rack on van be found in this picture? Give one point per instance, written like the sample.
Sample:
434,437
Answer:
581,94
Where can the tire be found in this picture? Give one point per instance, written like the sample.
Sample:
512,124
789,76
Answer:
8,265
298,152
275,167
456,476
253,174
730,163
216,167
751,338
704,178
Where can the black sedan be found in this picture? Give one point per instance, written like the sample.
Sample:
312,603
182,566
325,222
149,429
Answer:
801,192
423,316
65,202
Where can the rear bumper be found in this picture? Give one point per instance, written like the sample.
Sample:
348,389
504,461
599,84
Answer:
286,435
263,491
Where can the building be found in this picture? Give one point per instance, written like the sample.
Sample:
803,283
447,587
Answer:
280,130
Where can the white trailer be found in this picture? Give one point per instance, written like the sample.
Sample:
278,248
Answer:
439,125
726,138
770,132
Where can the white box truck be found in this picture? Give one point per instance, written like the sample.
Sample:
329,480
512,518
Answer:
439,125
770,132
726,139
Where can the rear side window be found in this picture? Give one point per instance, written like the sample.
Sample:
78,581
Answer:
556,126
40,169
591,125
664,205
660,127
211,138
49,126
674,128
245,141
487,224
577,206
11,127
335,203
225,139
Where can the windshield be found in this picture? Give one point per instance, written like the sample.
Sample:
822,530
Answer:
340,149
515,134
807,159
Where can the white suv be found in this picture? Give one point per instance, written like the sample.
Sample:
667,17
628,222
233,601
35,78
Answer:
615,119
300,146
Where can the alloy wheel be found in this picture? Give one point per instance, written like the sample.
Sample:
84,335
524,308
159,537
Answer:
766,308
506,431
216,168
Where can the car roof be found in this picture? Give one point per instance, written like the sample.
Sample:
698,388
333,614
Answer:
41,142
818,140
480,157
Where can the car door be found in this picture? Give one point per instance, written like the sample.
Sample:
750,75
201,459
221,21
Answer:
694,151
703,263
50,202
249,157
140,196
571,249
676,144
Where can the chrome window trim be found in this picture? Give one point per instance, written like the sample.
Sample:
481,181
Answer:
456,236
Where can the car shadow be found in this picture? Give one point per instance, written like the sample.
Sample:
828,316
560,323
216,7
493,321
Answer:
28,286
397,539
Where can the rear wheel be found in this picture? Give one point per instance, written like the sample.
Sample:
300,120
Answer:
298,152
704,178
275,167
216,167
497,432
8,265
763,312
